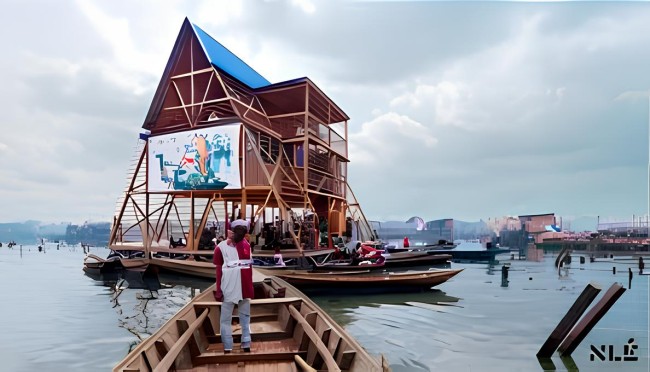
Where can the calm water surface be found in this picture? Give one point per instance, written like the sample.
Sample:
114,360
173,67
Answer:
55,318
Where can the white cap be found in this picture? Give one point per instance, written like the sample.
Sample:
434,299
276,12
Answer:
239,222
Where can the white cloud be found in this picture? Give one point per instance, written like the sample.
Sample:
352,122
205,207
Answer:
477,109
633,96
307,6
383,140
215,13
446,100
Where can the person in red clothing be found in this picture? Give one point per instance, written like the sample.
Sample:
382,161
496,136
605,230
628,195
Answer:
366,251
406,242
232,258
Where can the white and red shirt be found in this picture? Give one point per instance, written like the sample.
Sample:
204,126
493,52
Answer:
234,270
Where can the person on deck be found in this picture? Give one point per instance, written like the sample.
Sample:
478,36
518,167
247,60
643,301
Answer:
337,254
277,258
406,242
232,258
366,251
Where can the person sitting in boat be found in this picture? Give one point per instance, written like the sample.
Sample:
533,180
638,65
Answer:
277,257
234,283
366,251
337,254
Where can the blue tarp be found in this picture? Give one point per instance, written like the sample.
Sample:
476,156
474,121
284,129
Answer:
553,228
225,60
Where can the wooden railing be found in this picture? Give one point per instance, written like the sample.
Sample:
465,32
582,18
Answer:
172,354
313,336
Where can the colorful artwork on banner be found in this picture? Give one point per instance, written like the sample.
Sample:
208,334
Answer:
202,159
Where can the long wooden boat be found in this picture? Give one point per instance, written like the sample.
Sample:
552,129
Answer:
349,265
96,265
201,269
115,262
135,263
371,282
289,332
473,255
414,258
201,264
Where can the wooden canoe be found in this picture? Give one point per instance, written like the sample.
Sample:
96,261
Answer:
414,258
135,263
201,269
373,281
289,333
348,265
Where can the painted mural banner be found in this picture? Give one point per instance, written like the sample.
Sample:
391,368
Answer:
201,159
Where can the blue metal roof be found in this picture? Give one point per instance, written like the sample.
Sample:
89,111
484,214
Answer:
225,60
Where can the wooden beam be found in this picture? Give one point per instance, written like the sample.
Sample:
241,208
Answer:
592,317
168,360
126,199
572,316
191,232
303,365
218,100
197,72
255,301
346,358
255,337
183,326
178,92
322,349
221,358
204,219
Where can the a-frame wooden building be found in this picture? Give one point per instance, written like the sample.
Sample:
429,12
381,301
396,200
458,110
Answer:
223,142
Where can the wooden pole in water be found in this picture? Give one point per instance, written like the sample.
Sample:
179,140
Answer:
592,317
572,316
630,275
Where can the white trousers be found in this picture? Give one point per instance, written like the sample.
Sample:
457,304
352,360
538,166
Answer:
244,308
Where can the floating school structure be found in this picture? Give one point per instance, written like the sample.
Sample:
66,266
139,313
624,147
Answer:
221,142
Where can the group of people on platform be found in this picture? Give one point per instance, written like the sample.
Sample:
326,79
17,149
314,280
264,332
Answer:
356,252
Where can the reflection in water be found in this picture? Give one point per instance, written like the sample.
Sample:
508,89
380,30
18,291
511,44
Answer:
379,322
55,319
144,301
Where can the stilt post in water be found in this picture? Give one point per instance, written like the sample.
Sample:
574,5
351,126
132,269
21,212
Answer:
572,316
629,283
641,265
586,324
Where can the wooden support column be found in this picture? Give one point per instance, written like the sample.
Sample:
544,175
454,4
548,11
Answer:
592,317
147,238
204,218
117,225
243,204
572,316
305,146
190,237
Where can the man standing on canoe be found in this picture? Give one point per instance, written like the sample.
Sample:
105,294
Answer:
232,258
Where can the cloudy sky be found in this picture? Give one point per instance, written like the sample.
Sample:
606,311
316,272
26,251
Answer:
462,110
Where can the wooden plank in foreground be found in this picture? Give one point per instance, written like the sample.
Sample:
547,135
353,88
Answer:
588,322
572,316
